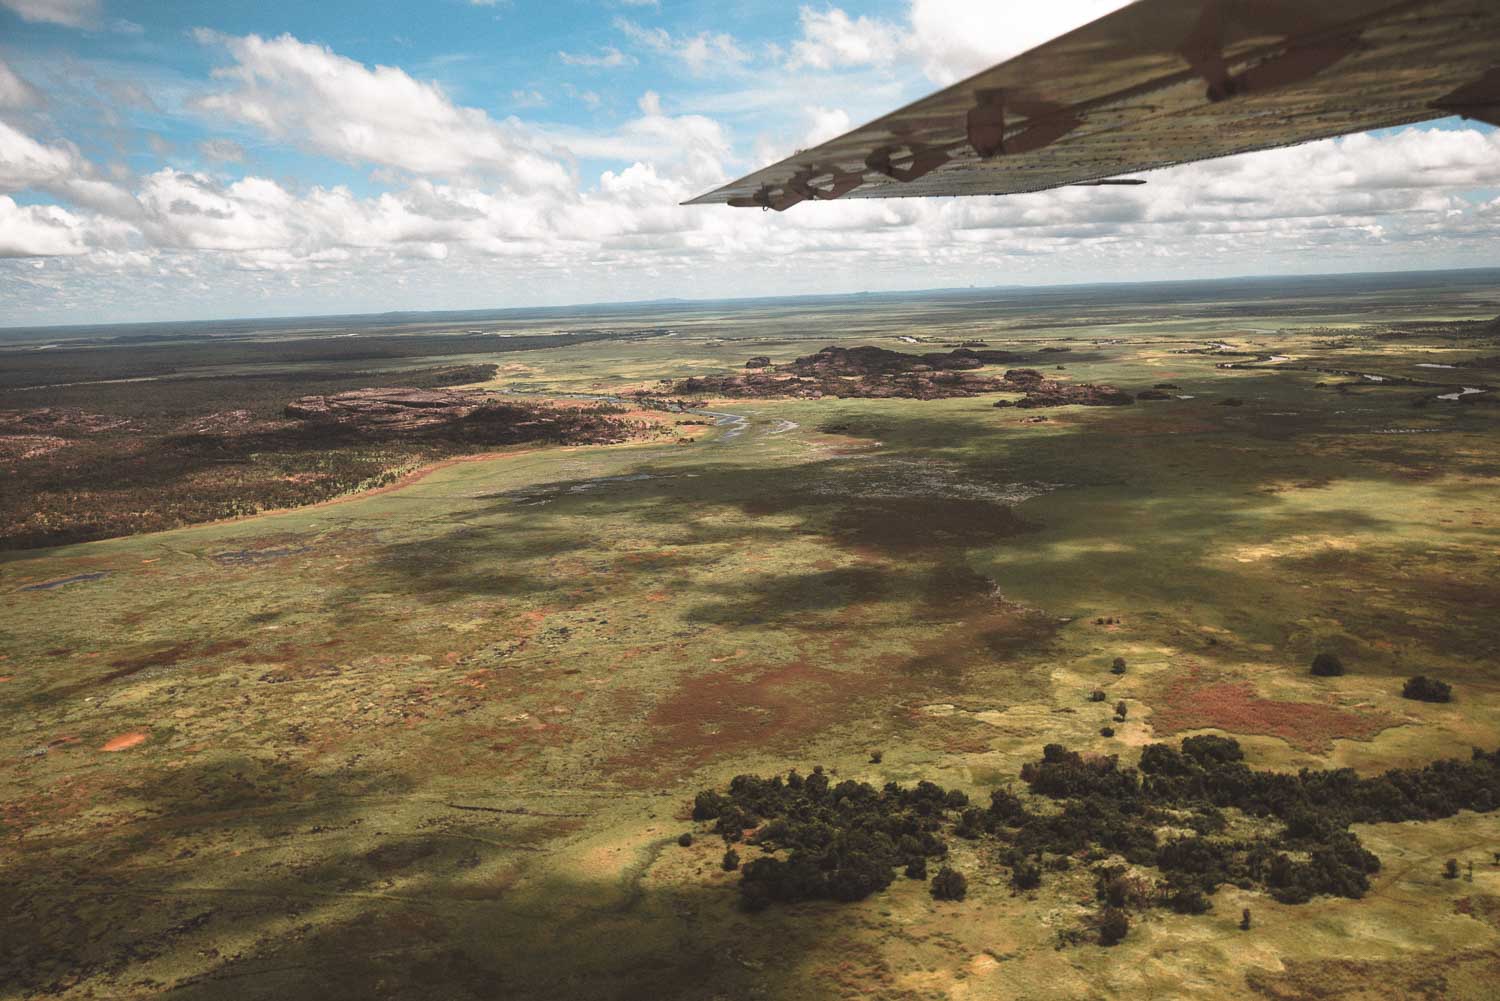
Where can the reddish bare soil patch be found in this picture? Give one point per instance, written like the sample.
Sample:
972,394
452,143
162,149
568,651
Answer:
1194,703
723,712
1481,908
125,741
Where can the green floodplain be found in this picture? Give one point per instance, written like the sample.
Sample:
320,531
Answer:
442,741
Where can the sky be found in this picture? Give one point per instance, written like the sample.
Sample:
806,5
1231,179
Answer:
185,160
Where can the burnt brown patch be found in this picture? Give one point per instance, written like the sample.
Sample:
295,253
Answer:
170,656
998,632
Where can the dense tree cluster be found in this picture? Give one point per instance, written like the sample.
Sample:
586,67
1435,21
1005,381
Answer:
844,841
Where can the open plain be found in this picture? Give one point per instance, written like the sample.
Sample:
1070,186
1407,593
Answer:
442,740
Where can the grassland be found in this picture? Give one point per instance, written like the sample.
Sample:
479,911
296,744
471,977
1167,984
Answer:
440,742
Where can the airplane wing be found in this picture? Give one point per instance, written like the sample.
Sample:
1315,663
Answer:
1159,83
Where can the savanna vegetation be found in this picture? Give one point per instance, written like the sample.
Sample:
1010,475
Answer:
437,742
816,839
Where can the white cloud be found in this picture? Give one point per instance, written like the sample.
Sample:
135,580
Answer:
318,100
15,92
824,124
609,57
70,13
26,163
699,53
957,38
476,210
39,230
832,39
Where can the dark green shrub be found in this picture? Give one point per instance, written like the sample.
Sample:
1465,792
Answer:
1026,876
1425,689
1114,924
731,860
949,884
1327,665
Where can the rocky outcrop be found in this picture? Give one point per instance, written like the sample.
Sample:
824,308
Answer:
869,360
390,409
1049,393
60,420
473,417
869,372
866,372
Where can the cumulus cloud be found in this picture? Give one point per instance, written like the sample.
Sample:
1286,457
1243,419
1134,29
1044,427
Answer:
26,164
824,124
39,230
309,96
472,206
69,13
831,38
957,38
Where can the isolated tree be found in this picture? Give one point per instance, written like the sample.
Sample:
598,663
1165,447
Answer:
1118,667
1120,708
1245,920
1450,869
1425,689
1114,924
949,884
876,756
1106,731
686,840
1026,876
1097,695
1327,665
731,860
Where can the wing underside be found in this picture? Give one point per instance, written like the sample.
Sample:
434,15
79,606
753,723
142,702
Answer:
1159,83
